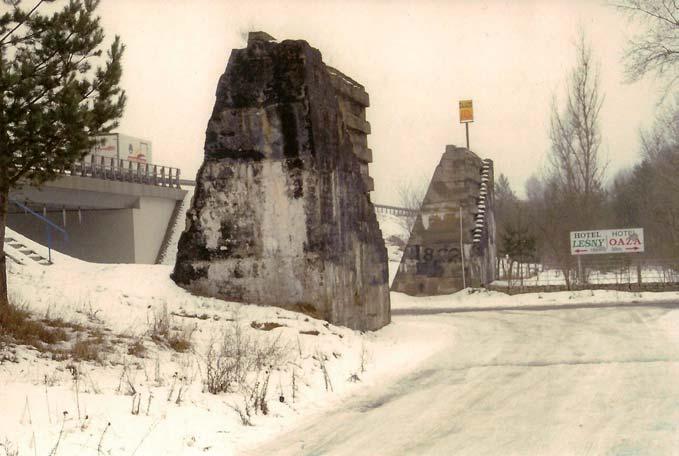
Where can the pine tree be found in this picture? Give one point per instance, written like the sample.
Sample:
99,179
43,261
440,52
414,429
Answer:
58,89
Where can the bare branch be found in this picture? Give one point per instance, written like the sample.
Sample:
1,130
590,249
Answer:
656,49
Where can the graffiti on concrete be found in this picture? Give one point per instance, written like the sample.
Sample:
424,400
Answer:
432,263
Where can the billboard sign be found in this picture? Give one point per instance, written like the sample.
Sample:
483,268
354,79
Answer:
116,145
134,149
106,146
623,240
466,111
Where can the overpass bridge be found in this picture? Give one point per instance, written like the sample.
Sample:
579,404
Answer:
114,210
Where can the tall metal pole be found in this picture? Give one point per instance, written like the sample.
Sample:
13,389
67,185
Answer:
466,128
49,243
464,279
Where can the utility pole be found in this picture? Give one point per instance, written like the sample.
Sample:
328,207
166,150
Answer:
464,279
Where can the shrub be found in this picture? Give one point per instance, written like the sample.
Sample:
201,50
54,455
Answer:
9,449
239,362
163,333
180,341
87,350
16,325
160,327
137,349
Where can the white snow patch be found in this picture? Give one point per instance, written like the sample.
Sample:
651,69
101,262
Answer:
122,301
475,298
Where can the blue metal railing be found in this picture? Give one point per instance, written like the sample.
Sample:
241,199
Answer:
48,225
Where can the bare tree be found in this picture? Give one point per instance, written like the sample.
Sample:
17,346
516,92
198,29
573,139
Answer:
656,48
664,134
411,195
574,132
572,194
648,194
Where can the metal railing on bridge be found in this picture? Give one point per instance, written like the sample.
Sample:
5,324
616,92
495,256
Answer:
111,168
382,208
394,210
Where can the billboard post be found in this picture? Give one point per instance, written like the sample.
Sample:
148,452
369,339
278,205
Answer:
466,116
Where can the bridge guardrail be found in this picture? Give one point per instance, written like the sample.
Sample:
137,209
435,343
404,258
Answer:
119,169
394,210
383,208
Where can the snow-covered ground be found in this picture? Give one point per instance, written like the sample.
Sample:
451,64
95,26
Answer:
475,298
145,398
86,407
553,383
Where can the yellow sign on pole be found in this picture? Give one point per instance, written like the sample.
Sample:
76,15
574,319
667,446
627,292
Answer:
466,111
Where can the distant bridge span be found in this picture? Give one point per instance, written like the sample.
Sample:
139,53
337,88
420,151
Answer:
383,208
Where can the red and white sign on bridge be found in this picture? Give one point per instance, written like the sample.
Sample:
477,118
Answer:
623,240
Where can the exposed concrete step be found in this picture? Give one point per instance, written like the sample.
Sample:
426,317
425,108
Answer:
356,123
19,253
369,183
364,154
348,87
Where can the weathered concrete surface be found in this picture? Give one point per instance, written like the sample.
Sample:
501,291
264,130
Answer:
432,261
281,215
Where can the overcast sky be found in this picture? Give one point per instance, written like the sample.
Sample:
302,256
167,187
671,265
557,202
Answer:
417,59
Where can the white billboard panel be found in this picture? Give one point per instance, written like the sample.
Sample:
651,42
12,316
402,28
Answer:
134,149
623,240
116,145
106,146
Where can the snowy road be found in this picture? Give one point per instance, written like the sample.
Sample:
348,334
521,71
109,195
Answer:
583,381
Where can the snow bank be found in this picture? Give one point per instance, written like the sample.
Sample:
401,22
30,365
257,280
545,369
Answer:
121,303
